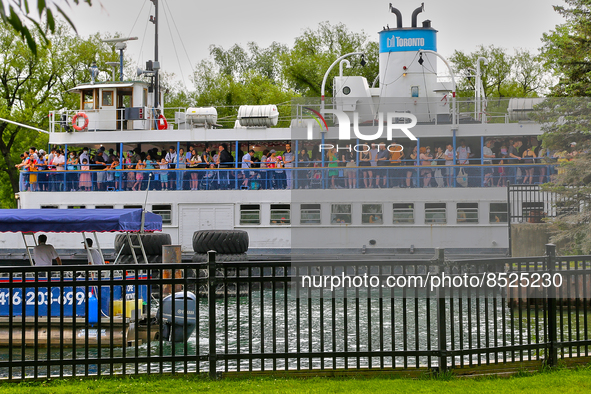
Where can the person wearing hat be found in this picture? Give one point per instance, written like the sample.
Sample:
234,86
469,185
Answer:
97,257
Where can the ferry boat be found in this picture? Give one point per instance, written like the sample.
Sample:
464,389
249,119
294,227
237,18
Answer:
317,206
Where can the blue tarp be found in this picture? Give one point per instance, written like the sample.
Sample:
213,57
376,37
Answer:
76,220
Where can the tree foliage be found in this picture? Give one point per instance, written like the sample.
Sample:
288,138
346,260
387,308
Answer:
518,75
33,85
566,118
314,51
41,16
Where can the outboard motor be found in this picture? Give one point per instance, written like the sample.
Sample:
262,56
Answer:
174,323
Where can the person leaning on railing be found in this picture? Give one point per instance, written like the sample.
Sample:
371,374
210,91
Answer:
488,155
411,162
225,160
303,171
528,158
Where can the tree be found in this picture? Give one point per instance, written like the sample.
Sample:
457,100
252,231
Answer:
566,118
315,50
18,14
565,50
241,76
32,85
520,75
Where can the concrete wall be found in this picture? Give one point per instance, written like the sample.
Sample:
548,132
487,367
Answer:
529,239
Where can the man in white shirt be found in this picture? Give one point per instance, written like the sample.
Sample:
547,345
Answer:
97,258
463,153
43,253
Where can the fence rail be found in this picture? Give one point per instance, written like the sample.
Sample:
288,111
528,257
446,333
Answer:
313,177
258,316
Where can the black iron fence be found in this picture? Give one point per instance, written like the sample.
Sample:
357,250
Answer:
291,316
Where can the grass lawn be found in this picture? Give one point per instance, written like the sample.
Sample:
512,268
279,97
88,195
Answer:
562,381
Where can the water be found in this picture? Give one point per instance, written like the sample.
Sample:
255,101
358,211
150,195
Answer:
279,324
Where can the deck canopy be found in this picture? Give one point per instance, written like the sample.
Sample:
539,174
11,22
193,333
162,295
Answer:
77,220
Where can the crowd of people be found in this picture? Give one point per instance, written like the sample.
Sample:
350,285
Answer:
379,166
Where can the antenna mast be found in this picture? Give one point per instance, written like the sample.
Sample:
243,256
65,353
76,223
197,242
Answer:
154,20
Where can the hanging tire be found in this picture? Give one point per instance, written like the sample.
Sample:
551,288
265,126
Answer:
222,241
152,243
220,258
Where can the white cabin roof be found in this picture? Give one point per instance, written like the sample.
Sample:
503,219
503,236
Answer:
109,85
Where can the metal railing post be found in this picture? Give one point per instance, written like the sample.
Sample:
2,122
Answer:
441,309
212,317
551,308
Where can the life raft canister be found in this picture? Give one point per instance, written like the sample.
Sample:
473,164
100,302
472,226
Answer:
162,123
75,121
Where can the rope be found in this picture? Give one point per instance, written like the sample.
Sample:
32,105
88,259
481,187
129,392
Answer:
180,37
174,45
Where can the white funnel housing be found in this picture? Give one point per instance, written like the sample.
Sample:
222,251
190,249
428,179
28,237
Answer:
403,75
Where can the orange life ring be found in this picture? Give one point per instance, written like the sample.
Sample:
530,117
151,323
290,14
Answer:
75,121
162,123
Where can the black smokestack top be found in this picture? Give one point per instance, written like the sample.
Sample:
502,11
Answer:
398,16
416,13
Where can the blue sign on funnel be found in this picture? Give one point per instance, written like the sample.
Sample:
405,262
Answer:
410,40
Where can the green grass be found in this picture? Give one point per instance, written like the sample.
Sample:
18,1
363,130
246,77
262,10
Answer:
562,380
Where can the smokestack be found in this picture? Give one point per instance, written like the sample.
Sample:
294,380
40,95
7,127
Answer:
416,13
398,16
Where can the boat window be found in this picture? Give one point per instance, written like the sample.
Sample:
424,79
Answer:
280,214
88,99
310,214
165,211
532,211
467,212
372,214
107,98
49,207
132,207
403,213
104,207
498,212
435,213
76,206
414,91
340,214
250,214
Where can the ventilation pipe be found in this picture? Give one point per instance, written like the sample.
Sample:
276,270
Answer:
398,16
416,13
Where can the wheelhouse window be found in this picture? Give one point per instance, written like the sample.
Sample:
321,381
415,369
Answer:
250,214
165,211
435,213
88,99
107,98
403,213
310,214
467,212
372,214
280,214
497,212
340,214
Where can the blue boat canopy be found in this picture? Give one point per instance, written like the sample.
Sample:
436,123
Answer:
77,220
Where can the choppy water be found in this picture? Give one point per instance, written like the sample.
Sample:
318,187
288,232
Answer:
276,324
